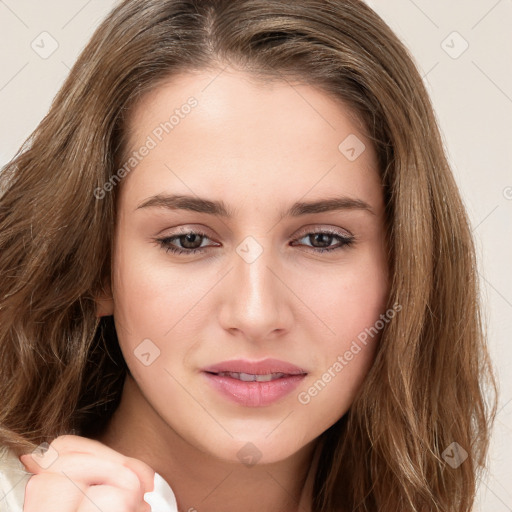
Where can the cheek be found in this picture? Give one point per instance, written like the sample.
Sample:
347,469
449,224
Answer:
152,304
159,313
350,299
150,297
355,313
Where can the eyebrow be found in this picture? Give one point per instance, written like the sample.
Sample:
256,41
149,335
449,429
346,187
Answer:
220,209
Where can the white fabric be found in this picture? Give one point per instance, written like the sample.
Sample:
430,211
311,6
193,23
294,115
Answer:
162,498
14,478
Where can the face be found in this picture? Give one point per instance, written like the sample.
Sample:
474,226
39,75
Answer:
247,278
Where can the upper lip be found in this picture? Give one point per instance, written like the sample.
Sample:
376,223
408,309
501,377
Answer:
263,367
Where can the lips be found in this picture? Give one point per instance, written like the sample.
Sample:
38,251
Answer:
264,367
249,377
254,383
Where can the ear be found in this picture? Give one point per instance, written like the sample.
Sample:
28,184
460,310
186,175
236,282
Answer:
104,303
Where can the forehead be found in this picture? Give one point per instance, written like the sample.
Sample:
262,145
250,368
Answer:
243,136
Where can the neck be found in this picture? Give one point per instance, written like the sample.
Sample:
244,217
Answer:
199,480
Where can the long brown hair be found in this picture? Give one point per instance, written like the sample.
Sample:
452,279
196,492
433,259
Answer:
61,368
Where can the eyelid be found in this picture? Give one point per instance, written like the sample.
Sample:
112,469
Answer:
185,230
346,240
307,230
182,231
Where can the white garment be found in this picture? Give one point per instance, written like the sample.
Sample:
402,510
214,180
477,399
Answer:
14,478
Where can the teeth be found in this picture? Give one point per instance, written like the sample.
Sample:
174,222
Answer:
249,377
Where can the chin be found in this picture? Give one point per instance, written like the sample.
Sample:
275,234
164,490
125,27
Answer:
259,448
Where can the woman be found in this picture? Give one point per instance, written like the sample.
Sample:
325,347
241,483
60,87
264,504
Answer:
319,349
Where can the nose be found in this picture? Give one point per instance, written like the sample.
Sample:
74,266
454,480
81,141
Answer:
256,301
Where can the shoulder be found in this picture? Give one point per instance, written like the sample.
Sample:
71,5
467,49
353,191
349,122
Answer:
13,480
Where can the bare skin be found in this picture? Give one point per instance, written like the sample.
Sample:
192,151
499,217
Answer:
259,148
77,474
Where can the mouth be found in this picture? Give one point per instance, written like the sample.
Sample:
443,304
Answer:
254,383
274,367
251,377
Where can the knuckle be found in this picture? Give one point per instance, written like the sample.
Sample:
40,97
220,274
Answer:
131,479
141,469
63,441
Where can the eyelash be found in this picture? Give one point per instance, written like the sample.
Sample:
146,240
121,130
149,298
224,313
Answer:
165,243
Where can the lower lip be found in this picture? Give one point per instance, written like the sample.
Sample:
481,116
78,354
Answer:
254,394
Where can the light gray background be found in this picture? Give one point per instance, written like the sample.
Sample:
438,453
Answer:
472,95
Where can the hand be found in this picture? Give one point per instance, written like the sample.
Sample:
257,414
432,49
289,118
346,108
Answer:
78,474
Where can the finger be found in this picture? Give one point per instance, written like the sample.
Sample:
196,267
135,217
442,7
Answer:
83,444
145,473
49,492
78,444
104,498
84,468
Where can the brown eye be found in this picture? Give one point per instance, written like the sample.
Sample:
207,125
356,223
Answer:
188,243
321,241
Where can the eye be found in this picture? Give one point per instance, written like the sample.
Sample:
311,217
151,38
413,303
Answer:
322,240
191,242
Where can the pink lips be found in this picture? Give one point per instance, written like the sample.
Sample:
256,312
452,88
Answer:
253,393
